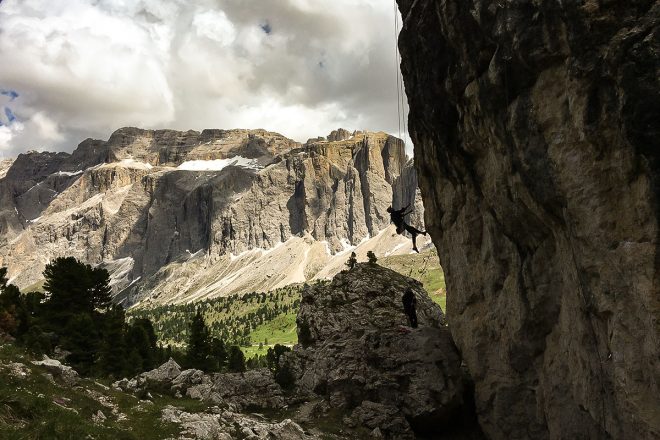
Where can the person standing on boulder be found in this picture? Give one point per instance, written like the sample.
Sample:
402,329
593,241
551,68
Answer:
409,303
397,217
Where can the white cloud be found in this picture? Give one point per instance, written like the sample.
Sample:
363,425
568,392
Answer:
84,68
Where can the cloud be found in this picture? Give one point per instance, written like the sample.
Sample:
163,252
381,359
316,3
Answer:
84,68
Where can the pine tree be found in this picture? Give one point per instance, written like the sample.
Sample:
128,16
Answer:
304,334
236,359
284,377
138,340
143,337
199,345
352,261
74,288
13,316
99,288
3,279
113,351
219,353
81,339
372,257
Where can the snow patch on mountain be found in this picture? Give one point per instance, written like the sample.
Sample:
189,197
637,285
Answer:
68,173
219,164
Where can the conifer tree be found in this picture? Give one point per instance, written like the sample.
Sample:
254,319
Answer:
72,288
13,317
142,336
113,351
81,339
372,257
3,279
236,359
199,344
219,353
137,340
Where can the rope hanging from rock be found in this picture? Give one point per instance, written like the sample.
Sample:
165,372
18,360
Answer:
400,103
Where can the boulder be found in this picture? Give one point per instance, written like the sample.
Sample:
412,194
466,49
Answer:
60,371
17,369
386,419
250,390
167,372
159,379
188,378
356,351
227,425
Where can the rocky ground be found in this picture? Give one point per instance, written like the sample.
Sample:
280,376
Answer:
358,367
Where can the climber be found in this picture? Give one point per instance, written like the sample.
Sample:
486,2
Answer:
409,302
397,217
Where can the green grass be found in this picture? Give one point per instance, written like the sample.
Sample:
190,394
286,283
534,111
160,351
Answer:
233,319
424,267
28,409
281,330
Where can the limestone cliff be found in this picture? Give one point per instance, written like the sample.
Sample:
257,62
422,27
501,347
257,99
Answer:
145,202
355,352
536,146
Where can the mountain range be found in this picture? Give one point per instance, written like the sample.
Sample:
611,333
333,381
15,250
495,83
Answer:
180,216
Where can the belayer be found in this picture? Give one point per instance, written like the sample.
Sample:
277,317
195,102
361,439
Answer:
397,217
409,306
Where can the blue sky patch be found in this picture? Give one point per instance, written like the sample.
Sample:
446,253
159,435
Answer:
11,93
266,27
10,115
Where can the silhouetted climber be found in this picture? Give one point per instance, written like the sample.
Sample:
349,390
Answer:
352,261
397,217
409,302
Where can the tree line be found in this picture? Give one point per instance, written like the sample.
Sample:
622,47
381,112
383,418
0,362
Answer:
74,318
230,318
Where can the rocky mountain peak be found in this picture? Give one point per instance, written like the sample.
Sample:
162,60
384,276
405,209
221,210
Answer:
171,147
339,135
146,201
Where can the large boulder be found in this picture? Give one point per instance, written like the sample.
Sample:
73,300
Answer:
355,348
220,424
60,371
254,389
157,379
536,136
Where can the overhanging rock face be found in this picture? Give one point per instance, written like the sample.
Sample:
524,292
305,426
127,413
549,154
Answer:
536,145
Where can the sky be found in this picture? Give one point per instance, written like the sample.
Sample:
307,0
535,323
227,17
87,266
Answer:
73,69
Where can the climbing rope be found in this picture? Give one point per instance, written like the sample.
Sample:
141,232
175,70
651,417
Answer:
396,68
400,101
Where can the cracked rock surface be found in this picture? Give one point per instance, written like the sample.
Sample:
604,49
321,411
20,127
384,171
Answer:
536,138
